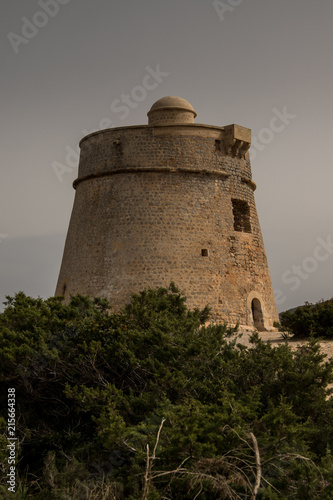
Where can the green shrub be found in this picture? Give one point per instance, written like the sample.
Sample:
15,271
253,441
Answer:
152,403
310,319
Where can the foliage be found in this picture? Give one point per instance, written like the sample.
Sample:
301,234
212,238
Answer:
310,320
153,402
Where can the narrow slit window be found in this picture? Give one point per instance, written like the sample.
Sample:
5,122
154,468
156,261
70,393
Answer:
241,212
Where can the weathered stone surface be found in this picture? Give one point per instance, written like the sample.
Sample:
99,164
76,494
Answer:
169,202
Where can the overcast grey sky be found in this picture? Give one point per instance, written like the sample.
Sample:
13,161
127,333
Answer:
66,64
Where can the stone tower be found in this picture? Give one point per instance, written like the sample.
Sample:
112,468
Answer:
169,201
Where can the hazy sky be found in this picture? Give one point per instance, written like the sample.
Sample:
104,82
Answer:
66,64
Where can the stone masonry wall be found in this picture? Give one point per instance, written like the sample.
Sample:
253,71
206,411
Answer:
150,203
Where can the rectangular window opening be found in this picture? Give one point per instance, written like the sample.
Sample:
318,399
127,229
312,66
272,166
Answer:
204,252
241,212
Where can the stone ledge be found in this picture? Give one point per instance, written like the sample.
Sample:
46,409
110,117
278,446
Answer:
196,171
250,183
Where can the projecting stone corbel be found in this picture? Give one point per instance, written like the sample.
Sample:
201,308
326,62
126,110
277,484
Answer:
244,148
236,140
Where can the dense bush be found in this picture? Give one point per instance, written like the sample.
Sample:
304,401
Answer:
310,319
152,404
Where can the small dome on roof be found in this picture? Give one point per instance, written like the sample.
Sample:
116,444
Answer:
172,102
171,110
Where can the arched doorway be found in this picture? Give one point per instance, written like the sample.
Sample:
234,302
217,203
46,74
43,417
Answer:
257,315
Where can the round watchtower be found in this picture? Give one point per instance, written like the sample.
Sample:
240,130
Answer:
169,201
